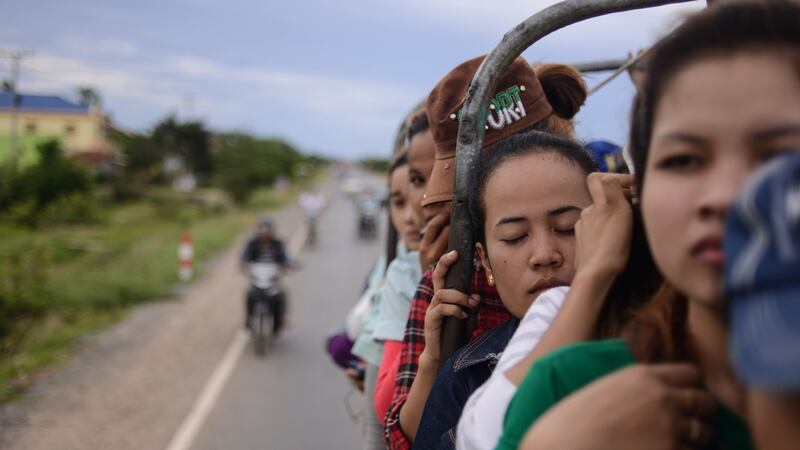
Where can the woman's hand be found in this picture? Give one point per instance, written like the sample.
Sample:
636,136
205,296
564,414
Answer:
434,240
603,233
356,378
445,303
653,407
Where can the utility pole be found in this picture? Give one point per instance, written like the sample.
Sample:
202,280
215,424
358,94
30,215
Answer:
16,57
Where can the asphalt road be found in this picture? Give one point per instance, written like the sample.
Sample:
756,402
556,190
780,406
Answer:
294,398
135,385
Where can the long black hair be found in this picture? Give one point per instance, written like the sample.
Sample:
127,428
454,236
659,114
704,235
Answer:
725,28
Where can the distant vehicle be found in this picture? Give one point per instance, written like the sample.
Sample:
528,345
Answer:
312,204
369,209
353,185
267,295
311,239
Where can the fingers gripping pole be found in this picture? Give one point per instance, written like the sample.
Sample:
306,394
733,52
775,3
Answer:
471,131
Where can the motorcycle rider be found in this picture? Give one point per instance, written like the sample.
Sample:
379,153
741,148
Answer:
312,203
264,247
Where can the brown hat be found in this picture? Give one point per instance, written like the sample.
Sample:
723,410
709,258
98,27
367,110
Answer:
518,104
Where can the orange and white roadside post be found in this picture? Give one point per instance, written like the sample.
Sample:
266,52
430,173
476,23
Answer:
185,254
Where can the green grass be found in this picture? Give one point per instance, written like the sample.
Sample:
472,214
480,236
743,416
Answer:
79,279
26,147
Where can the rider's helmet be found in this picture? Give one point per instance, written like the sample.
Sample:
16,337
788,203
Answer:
265,224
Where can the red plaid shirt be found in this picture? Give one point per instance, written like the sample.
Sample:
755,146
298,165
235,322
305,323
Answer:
491,313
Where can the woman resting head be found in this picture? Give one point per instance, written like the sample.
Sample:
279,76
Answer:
545,99
724,99
530,190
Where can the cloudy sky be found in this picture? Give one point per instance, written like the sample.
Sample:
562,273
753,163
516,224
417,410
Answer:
333,77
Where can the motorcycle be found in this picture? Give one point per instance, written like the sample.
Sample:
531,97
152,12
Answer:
369,211
368,226
311,223
266,299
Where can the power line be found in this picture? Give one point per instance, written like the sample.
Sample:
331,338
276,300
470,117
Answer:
16,57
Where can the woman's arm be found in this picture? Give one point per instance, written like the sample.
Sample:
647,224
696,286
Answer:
445,303
603,239
775,419
481,422
652,407
575,321
387,373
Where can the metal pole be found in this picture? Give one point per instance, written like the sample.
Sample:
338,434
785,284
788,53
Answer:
599,66
14,112
16,58
471,131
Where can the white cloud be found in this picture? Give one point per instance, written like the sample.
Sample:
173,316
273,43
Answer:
493,18
224,95
334,97
99,47
60,74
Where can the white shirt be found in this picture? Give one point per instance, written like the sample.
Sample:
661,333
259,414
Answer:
481,422
311,203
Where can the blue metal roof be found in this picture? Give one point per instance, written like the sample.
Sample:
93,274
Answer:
46,103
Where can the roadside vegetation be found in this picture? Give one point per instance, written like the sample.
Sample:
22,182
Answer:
380,165
79,248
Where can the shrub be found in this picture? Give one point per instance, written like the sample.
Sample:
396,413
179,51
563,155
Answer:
22,283
375,164
53,177
244,164
74,208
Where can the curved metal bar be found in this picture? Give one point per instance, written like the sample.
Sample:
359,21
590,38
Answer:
605,65
471,131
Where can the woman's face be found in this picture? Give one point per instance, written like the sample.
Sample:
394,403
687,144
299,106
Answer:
421,153
400,209
718,119
532,203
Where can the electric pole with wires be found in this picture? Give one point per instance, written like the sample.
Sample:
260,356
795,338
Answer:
10,85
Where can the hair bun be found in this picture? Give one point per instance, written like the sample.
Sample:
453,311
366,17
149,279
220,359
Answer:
564,88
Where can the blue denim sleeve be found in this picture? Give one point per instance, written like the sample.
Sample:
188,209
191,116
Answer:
440,417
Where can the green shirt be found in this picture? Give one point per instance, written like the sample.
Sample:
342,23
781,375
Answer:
568,369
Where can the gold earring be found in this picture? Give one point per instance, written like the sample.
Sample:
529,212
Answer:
490,279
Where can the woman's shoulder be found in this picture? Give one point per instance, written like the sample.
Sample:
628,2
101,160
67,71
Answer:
587,359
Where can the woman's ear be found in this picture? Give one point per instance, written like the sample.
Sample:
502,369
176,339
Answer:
487,266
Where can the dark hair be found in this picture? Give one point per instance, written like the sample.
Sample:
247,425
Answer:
722,29
515,146
400,161
419,124
658,331
641,278
566,92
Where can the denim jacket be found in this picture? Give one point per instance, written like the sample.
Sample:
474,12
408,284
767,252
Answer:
463,374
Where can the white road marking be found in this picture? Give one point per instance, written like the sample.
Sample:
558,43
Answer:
184,437
191,425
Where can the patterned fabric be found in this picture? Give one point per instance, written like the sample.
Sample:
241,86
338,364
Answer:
491,313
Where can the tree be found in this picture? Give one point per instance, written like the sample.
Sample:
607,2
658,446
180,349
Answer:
190,141
89,96
244,163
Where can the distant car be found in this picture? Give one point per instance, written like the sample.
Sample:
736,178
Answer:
353,186
369,209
